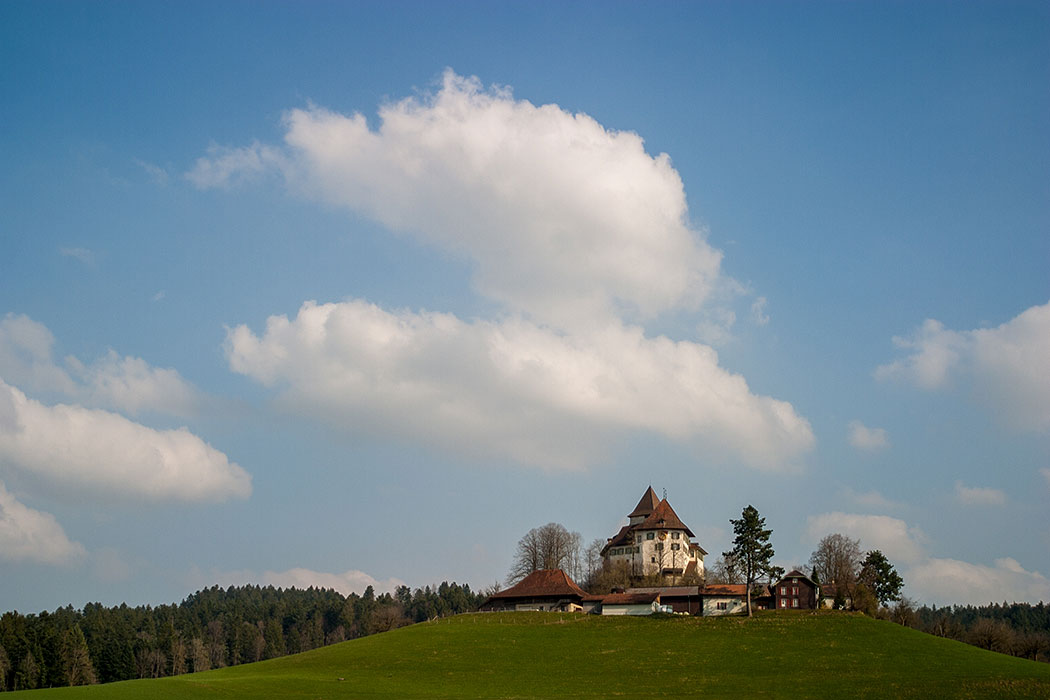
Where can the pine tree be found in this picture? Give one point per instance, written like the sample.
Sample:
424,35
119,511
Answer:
751,548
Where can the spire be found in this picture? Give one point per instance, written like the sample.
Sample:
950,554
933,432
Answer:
645,506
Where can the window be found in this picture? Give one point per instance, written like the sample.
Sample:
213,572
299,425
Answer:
650,535
675,546
638,539
794,590
783,602
794,602
722,606
783,590
675,535
652,560
659,546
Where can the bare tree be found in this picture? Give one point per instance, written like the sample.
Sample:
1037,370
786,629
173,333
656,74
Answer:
5,666
593,556
199,655
547,547
837,561
725,570
76,663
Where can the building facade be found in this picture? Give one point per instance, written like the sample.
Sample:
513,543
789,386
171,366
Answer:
656,543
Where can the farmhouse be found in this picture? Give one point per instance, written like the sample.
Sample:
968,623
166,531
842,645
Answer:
796,591
546,589
655,542
731,598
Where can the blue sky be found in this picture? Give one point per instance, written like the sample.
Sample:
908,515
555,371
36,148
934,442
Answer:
351,294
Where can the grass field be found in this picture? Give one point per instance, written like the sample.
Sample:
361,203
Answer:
548,655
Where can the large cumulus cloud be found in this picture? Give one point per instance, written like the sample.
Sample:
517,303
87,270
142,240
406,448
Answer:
575,230
511,387
107,454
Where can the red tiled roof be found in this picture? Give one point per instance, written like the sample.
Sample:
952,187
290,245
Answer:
630,598
545,582
664,518
647,505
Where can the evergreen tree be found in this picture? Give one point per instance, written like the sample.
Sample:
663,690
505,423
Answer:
880,577
751,548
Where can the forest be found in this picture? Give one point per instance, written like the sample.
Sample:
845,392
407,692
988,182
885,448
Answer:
212,628
1019,629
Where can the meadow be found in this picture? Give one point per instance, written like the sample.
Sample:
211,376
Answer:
549,655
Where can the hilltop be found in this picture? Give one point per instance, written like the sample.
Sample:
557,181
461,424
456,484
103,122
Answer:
533,655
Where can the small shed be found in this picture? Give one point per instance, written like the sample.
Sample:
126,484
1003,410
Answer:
630,603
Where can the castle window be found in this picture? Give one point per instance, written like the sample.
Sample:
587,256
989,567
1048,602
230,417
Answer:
675,546
675,535
650,535
659,546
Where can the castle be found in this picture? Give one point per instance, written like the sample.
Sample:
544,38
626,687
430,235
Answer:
655,543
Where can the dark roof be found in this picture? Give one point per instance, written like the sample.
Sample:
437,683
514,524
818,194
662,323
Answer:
664,518
668,591
622,537
647,505
543,583
630,598
795,573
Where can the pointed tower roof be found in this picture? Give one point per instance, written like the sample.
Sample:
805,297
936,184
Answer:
663,516
647,505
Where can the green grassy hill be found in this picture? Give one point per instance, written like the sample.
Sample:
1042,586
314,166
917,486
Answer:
547,655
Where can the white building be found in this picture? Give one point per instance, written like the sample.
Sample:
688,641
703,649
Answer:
656,542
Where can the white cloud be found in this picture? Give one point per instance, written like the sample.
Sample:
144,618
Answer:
31,535
758,311
864,438
1009,366
892,536
511,388
565,220
26,356
943,581
133,386
99,451
156,173
224,167
929,579
126,384
716,326
348,582
978,496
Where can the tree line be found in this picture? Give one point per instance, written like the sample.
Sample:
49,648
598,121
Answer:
1019,629
212,628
